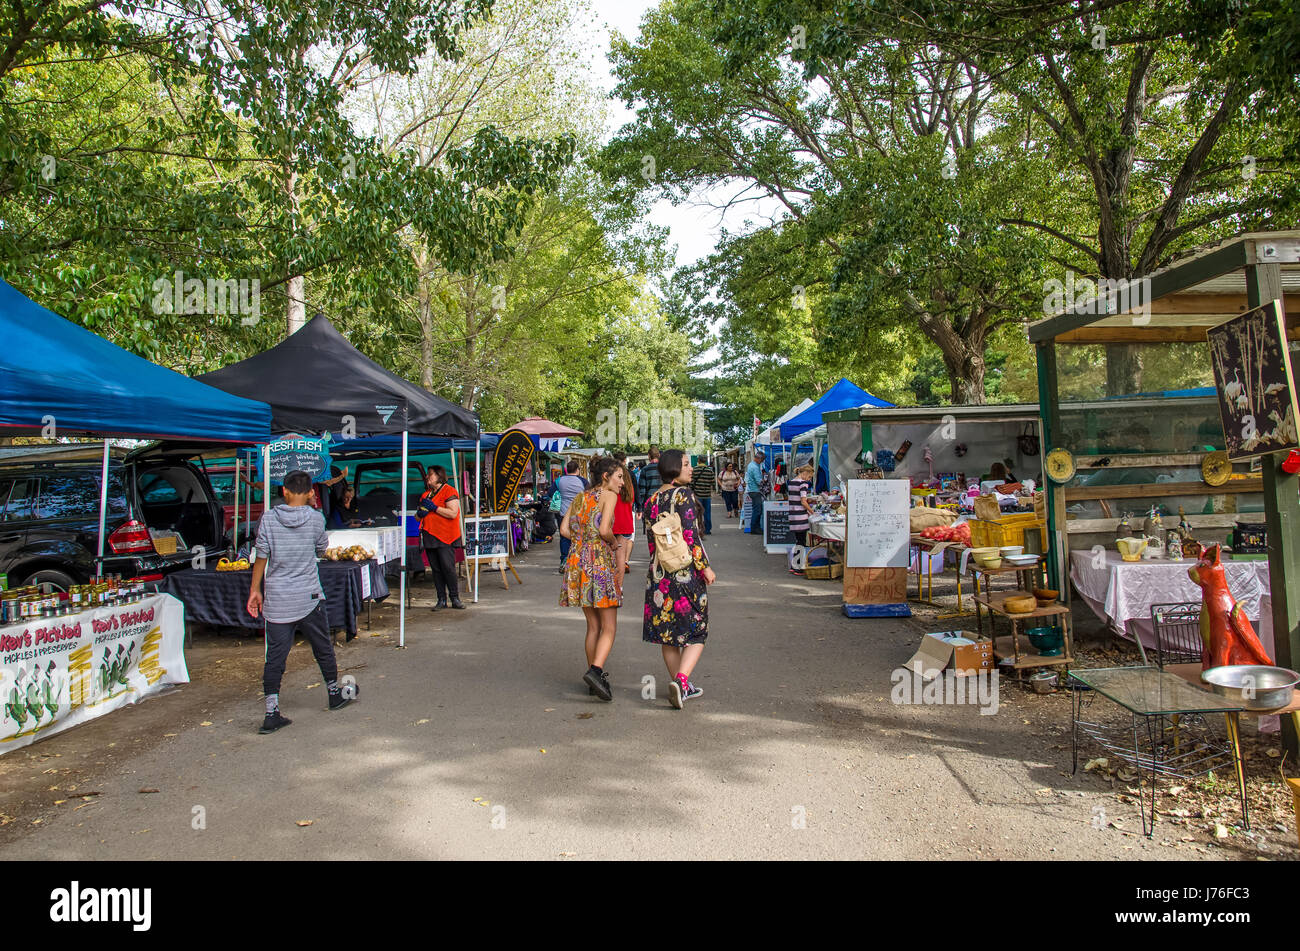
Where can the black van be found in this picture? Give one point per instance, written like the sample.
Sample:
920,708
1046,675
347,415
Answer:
49,515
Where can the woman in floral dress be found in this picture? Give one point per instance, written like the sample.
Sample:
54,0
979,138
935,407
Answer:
677,604
593,572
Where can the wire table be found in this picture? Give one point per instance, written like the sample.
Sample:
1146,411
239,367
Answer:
1157,700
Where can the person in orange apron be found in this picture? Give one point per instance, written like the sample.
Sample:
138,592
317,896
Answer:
439,517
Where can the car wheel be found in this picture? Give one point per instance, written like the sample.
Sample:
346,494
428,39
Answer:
60,581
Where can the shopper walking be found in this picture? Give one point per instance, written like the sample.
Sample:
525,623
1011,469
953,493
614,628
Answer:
704,483
569,486
754,490
650,479
290,540
593,573
624,516
677,601
729,485
797,492
439,516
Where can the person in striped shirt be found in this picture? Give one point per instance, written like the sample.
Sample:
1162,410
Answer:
797,491
703,484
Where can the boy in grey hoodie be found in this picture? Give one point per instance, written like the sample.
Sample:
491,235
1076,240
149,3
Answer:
290,539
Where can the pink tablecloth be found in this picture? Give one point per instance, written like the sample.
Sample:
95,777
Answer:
1121,593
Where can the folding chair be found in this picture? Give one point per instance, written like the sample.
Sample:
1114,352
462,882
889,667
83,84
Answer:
1178,633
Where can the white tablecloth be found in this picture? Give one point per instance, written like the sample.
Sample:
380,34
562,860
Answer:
831,529
1122,592
386,541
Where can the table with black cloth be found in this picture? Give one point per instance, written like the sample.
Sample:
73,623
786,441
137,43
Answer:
220,597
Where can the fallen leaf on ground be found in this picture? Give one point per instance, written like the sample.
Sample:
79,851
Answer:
206,723
585,716
568,855
541,751
304,822
550,710
59,802
1099,763
1220,830
422,721
171,734
316,684
147,789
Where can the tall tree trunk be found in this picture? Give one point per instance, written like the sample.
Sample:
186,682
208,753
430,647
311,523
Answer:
425,317
1123,369
963,355
296,287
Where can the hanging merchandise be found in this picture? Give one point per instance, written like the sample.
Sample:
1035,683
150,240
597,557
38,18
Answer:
885,460
1028,441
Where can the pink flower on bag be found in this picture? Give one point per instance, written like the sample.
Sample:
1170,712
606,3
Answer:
663,585
647,612
683,606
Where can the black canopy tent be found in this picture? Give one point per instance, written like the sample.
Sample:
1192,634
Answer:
317,382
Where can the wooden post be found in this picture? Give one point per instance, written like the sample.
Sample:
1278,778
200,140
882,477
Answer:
1049,409
1282,516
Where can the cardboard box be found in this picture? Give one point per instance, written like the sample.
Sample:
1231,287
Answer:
938,653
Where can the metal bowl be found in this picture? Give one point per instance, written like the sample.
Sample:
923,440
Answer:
1254,686
1043,682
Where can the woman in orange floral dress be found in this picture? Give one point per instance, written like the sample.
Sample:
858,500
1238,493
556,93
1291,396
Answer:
593,572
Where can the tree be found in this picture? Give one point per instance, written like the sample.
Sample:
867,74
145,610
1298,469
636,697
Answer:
881,148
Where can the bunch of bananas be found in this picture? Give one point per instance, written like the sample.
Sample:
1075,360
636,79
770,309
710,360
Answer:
225,564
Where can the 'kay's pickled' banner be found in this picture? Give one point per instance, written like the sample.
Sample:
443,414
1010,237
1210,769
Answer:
58,672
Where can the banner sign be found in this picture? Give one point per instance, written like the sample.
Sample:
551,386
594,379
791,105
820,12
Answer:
1256,388
56,673
309,454
514,453
493,537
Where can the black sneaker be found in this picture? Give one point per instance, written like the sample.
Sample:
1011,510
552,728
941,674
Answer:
691,692
273,722
598,684
604,675
457,604
440,605
675,694
337,700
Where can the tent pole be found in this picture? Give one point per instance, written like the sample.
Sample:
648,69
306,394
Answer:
478,502
103,509
401,604
234,539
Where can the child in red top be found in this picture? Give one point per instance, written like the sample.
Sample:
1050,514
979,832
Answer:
624,519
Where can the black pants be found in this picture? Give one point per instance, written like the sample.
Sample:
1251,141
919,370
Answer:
442,561
279,638
801,537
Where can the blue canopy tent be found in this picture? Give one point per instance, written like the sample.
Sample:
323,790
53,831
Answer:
57,378
843,395
56,374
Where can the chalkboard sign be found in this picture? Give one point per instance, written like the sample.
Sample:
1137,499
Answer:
746,511
494,537
878,529
312,456
777,536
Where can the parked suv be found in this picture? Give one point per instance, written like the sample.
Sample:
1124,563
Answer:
49,517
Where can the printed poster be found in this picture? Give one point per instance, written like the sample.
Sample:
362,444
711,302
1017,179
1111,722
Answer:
56,673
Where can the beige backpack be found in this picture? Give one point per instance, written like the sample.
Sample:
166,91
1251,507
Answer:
672,554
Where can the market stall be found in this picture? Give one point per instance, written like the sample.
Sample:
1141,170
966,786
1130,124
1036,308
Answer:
218,597
317,382
1098,358
80,654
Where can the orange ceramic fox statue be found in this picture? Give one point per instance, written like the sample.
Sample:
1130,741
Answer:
1226,632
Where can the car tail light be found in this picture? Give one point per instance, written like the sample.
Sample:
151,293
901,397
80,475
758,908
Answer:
130,538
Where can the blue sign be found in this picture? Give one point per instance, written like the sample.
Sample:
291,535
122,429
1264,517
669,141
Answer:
309,454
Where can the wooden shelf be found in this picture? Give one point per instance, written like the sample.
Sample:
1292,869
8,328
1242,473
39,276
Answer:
1028,658
995,605
1148,490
